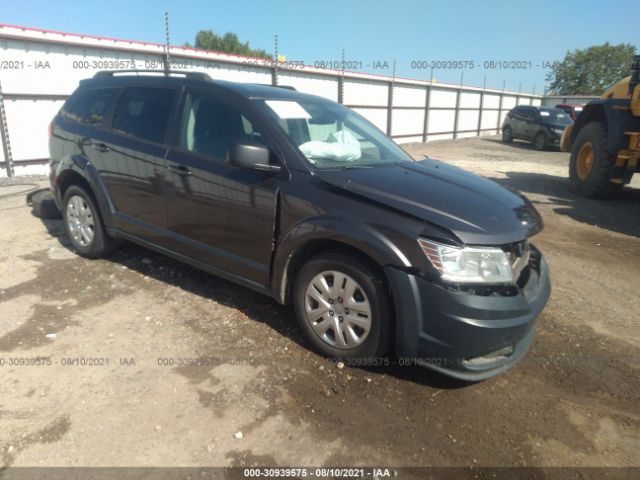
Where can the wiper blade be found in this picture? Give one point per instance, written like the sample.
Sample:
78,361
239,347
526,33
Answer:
353,167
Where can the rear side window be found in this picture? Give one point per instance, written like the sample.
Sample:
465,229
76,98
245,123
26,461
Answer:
144,113
526,113
90,106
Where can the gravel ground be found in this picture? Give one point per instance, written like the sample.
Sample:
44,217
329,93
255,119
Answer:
96,357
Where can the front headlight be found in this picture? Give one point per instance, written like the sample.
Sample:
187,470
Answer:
468,264
558,130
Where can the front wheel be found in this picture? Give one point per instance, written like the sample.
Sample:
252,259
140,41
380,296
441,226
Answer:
342,306
540,141
590,166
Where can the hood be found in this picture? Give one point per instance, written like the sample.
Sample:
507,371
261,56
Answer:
478,211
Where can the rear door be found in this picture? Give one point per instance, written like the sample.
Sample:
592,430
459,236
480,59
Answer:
217,213
532,123
517,122
133,165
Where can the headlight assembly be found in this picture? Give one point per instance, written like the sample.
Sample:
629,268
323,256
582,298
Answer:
488,265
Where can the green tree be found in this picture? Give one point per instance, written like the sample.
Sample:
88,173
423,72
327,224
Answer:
227,43
592,70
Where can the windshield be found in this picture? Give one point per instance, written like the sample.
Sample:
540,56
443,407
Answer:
555,115
332,136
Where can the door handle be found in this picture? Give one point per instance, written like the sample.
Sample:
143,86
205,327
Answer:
101,147
179,170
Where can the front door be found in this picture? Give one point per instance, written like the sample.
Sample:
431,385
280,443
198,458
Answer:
217,213
530,124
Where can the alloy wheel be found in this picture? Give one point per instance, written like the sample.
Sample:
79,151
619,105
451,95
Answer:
80,220
338,310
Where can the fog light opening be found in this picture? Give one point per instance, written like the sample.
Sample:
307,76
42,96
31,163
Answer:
496,356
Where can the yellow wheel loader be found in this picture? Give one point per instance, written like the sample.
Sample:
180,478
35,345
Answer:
605,139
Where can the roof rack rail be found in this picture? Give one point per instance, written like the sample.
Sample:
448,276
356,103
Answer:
287,87
192,75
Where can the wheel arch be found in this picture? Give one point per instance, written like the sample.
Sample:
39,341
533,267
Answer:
617,118
71,177
77,170
592,112
362,242
315,247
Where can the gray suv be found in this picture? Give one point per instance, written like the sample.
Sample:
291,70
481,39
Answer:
303,200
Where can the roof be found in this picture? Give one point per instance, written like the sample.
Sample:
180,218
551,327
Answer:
537,107
248,90
257,90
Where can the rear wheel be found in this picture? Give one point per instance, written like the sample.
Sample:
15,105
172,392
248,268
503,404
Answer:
342,306
507,135
83,223
591,167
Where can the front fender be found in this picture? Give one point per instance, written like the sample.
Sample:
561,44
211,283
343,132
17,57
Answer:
615,113
592,112
80,165
360,236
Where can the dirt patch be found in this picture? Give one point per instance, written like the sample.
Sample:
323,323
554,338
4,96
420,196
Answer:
137,360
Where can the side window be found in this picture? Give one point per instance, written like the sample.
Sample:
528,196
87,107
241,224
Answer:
90,106
210,127
524,114
144,113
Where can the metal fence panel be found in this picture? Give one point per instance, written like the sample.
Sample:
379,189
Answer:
51,64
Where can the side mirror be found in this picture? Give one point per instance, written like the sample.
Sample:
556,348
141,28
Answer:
255,157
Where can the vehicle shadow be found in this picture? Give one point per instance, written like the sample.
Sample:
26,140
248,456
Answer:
251,304
619,214
521,144
55,228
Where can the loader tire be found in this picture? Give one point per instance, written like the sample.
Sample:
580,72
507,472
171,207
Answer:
591,167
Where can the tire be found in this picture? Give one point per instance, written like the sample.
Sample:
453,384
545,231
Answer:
540,141
100,243
507,135
348,338
590,175
44,206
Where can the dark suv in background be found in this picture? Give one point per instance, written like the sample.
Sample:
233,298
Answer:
301,199
541,126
